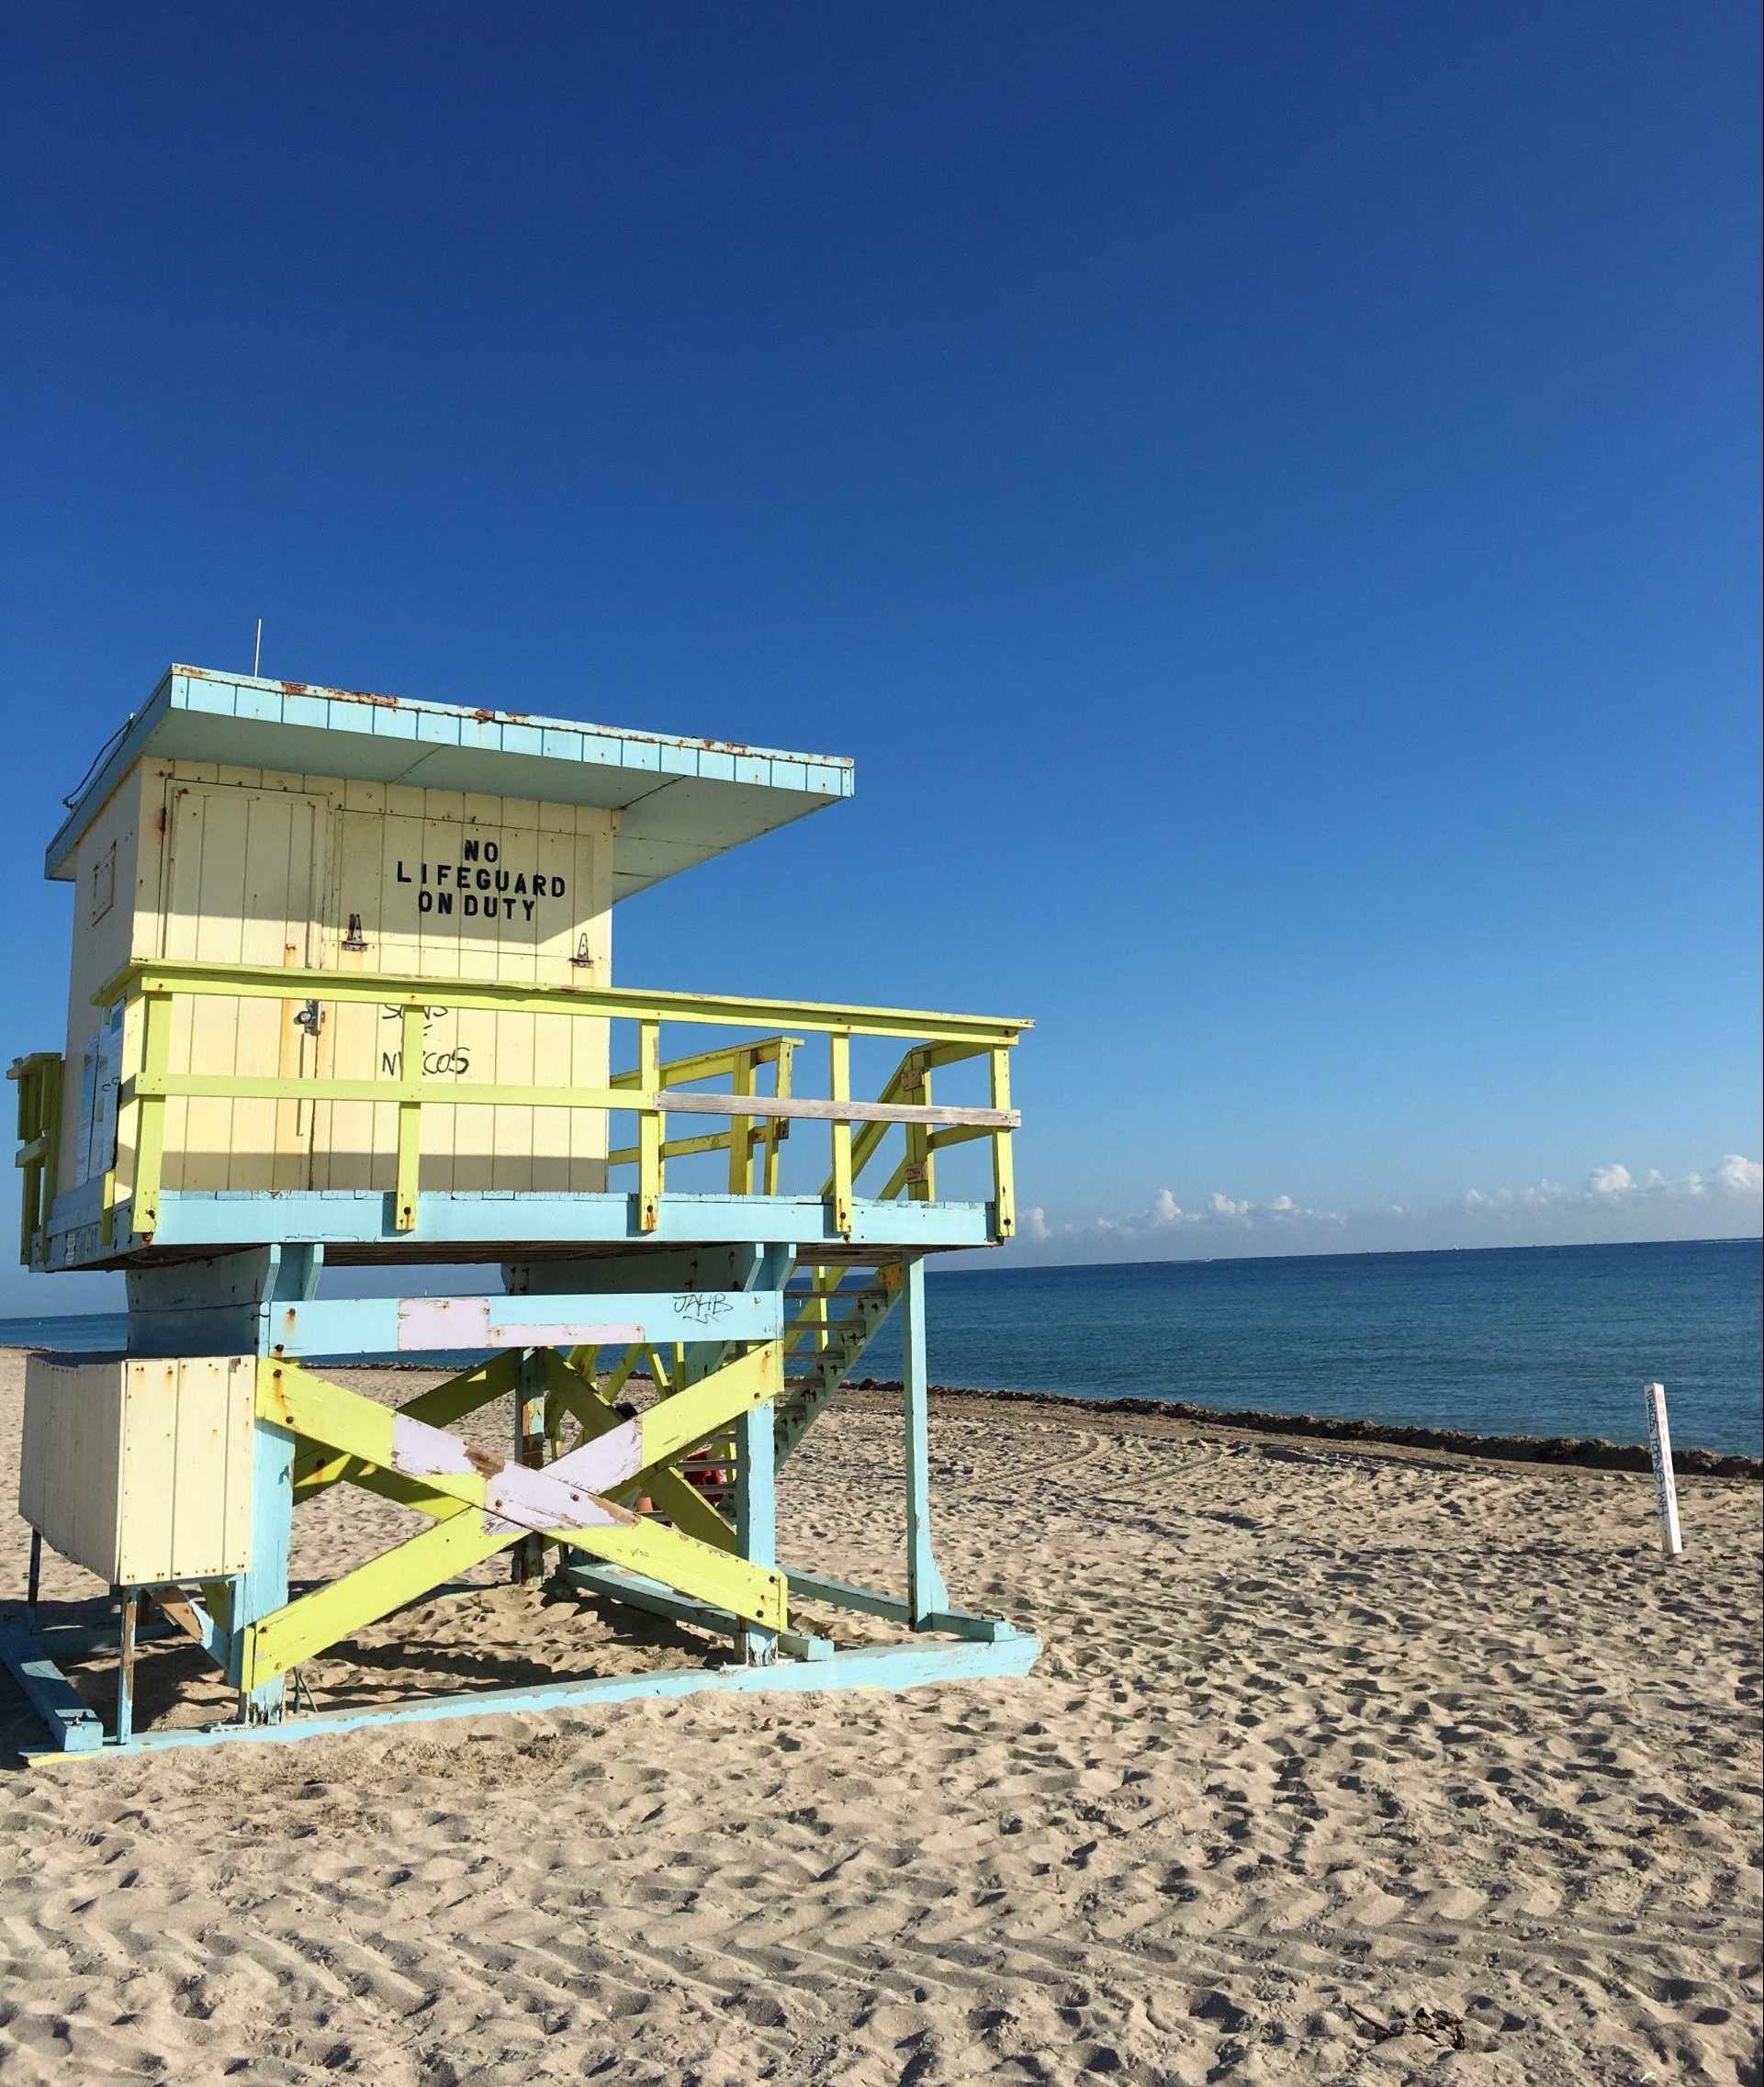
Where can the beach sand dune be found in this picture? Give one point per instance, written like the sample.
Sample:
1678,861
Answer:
1317,1731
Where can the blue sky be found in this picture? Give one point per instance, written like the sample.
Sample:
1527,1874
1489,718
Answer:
1268,495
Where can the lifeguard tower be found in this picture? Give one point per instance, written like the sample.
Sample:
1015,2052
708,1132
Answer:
342,997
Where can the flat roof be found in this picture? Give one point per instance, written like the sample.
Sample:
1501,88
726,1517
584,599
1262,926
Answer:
680,801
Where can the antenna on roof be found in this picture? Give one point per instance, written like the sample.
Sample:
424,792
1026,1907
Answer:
257,650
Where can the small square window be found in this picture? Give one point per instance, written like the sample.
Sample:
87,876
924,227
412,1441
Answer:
104,883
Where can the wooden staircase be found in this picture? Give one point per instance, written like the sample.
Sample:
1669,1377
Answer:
827,1327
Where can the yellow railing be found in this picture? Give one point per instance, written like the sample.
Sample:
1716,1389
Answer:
39,1138
654,1090
745,1139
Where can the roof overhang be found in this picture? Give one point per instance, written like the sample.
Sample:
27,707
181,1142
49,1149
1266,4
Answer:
680,801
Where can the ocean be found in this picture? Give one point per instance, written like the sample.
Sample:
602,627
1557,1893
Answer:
1536,1341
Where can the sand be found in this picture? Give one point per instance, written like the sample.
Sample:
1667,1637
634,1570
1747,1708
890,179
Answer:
1316,1729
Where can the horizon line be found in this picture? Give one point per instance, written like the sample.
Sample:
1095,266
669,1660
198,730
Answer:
1364,1253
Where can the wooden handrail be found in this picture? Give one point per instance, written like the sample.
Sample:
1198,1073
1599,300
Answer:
648,1090
267,982
40,1078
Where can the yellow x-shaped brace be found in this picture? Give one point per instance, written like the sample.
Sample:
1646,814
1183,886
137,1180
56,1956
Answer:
569,1390
482,1503
317,1467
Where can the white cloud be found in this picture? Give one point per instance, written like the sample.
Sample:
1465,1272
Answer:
1614,1188
1680,1188
1537,1196
1613,1181
1614,1203
1740,1176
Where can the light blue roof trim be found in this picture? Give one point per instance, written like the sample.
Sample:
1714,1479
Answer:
681,801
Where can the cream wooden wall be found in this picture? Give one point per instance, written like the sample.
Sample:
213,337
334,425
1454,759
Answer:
244,878
412,863
106,923
140,1470
244,866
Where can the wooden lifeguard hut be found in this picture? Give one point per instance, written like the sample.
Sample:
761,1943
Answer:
341,996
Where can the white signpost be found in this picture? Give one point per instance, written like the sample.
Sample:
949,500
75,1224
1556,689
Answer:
1666,1491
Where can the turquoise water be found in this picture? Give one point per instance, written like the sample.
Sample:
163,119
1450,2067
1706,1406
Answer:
1539,1340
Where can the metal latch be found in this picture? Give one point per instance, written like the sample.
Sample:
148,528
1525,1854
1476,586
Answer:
311,1018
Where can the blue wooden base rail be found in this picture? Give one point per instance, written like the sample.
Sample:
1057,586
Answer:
877,1667
74,1727
637,1592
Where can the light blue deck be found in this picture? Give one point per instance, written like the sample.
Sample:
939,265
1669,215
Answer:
505,1225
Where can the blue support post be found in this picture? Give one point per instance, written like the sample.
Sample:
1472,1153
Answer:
925,1594
756,1522
755,1509
128,1620
262,1587
527,1558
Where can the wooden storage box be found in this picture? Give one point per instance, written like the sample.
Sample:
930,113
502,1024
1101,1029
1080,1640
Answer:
141,1470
